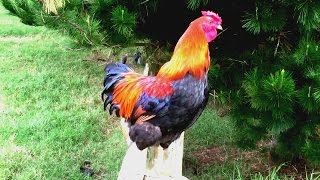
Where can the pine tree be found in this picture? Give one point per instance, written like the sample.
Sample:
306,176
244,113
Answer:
275,93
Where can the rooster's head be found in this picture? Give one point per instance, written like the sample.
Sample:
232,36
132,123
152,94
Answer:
210,22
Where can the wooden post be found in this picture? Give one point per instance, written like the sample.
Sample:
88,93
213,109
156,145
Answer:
133,164
153,163
165,164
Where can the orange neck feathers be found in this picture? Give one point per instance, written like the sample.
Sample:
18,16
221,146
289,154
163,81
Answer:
191,55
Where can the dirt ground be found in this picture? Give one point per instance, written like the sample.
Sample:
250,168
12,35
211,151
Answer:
256,160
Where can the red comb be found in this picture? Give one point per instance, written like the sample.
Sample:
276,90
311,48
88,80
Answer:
213,15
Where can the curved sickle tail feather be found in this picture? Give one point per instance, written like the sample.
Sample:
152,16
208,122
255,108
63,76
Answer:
114,73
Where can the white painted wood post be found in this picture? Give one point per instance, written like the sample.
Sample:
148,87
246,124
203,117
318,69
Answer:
165,164
153,163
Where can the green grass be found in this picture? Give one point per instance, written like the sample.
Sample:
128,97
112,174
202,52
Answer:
208,131
52,120
11,26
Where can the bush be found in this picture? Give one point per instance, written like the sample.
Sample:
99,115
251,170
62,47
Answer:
274,77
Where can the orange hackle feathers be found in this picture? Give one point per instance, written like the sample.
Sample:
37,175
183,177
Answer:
191,55
128,91
126,94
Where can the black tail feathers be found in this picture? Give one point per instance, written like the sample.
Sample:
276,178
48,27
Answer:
145,134
114,73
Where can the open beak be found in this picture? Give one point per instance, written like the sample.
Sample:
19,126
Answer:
219,27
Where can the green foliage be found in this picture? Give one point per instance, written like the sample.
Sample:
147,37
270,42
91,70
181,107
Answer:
123,21
278,96
273,174
194,4
28,10
273,95
307,97
308,14
85,29
307,53
311,148
252,87
251,23
266,18
279,90
316,95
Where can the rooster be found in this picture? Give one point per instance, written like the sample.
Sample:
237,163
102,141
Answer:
159,108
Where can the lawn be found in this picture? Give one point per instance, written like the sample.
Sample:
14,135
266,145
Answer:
52,118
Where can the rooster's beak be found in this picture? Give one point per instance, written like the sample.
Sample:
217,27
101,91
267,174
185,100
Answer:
219,27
